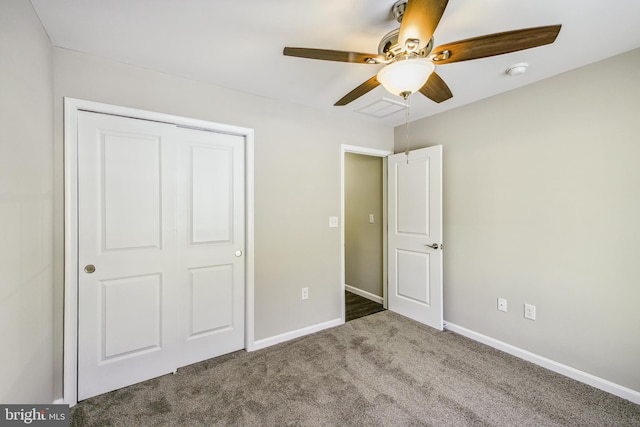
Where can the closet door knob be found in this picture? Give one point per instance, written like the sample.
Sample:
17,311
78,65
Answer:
89,268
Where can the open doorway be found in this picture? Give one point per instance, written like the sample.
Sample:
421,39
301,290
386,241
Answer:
363,233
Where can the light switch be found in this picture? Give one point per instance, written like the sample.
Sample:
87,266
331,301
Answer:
371,219
333,221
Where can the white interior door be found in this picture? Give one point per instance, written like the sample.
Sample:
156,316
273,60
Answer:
155,291
211,243
126,231
415,235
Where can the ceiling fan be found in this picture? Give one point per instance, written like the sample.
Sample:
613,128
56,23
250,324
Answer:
409,56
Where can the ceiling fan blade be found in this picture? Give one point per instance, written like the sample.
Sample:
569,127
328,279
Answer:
331,55
365,87
421,17
436,89
495,44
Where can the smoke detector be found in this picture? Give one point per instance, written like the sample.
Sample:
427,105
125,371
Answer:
517,69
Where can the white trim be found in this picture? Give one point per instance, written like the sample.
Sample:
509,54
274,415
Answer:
345,148
249,315
70,355
385,230
58,402
364,294
288,336
71,108
552,365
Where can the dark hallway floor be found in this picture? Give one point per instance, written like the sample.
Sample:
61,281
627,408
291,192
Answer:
357,306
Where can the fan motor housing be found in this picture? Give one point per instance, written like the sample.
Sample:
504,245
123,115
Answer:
398,9
390,48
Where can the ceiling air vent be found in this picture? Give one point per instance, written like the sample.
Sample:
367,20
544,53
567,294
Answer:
382,108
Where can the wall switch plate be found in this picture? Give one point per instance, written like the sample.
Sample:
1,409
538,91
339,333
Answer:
530,311
371,218
502,304
333,221
305,293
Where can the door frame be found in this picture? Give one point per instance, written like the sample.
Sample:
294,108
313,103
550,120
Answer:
345,148
71,108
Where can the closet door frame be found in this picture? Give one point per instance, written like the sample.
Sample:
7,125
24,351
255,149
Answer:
71,108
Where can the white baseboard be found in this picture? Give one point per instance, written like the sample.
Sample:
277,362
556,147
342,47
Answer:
592,380
58,401
287,336
365,294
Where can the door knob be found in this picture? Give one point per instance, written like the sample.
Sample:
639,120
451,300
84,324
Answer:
238,253
433,246
89,268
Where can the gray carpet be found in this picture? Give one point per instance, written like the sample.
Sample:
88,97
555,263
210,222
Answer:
379,370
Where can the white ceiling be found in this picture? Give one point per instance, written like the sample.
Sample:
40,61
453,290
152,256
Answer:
238,44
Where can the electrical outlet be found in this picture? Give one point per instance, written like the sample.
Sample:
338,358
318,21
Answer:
502,304
305,293
530,311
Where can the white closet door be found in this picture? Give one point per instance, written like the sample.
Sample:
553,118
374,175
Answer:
161,217
211,243
126,214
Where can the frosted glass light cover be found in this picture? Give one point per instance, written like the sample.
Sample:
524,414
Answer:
407,75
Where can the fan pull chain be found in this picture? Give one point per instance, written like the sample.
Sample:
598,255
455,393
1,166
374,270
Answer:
406,123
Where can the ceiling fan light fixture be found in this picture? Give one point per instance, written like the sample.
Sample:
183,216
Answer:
407,76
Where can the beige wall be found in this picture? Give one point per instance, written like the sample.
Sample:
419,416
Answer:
363,241
542,206
297,179
26,209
